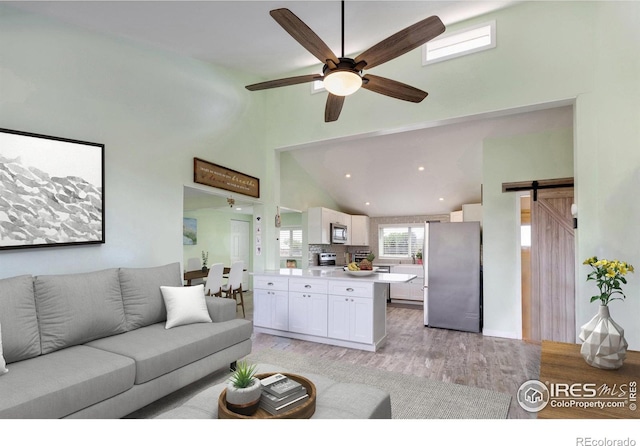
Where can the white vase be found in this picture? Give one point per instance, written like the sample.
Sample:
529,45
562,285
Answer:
603,345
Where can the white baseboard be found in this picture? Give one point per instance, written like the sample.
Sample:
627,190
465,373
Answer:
500,334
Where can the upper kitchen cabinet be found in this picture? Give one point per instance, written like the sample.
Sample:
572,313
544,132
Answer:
456,217
469,212
472,212
319,225
359,230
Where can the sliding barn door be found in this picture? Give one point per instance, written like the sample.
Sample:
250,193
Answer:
552,266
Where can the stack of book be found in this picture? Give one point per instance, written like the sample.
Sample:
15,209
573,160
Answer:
281,394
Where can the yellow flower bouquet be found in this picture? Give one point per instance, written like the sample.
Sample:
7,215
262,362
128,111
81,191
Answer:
609,277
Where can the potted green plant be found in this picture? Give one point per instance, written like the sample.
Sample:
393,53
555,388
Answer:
419,256
244,390
604,345
205,260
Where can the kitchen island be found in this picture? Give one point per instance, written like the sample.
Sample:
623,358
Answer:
325,306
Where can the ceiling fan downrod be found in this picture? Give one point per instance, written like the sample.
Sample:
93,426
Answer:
342,28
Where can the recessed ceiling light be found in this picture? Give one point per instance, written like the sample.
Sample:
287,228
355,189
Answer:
367,203
421,168
348,175
441,199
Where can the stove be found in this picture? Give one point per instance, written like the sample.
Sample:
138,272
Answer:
327,259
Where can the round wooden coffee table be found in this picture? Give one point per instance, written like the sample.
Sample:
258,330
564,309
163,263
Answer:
305,410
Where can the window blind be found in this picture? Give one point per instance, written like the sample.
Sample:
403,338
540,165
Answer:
291,242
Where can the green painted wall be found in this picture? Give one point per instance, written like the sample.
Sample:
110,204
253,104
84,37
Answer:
214,235
153,110
518,158
544,53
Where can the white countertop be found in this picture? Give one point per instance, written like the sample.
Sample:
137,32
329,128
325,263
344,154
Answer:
336,274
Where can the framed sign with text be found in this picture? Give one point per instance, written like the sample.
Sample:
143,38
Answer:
213,175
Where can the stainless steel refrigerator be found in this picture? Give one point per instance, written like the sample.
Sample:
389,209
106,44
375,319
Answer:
452,276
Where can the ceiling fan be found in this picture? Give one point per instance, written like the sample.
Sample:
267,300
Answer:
343,76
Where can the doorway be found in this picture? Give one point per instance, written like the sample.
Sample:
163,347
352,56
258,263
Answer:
525,263
223,227
240,247
548,265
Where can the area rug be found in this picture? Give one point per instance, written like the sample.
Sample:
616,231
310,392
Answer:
412,397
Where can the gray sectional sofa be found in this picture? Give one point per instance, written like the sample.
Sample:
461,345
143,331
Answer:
94,345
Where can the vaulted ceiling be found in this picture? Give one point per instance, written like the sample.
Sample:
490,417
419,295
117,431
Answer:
242,36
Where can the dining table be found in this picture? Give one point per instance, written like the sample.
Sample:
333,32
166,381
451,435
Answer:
202,274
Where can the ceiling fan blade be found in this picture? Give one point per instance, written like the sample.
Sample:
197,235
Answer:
303,35
402,42
395,89
284,82
333,107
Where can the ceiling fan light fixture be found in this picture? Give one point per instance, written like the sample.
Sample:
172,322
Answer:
342,82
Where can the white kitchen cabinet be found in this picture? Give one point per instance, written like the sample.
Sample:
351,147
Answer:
472,212
308,306
319,223
350,318
456,216
317,232
408,291
347,313
308,313
351,311
271,303
359,230
271,309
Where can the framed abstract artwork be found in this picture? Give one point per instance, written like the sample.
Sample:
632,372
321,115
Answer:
189,231
51,191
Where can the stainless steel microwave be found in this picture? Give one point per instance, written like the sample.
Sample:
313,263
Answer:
338,233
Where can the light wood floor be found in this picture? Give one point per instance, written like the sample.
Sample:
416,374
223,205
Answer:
446,355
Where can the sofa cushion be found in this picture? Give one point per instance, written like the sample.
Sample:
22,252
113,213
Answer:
158,351
3,364
185,305
63,382
20,335
143,303
77,308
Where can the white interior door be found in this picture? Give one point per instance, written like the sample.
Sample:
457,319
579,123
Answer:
240,249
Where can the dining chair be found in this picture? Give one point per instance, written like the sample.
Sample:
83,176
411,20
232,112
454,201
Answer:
195,264
213,286
233,288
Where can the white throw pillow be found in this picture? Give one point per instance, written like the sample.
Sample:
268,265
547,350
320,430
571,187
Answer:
185,305
3,364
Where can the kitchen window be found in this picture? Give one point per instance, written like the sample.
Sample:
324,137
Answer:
400,241
291,242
